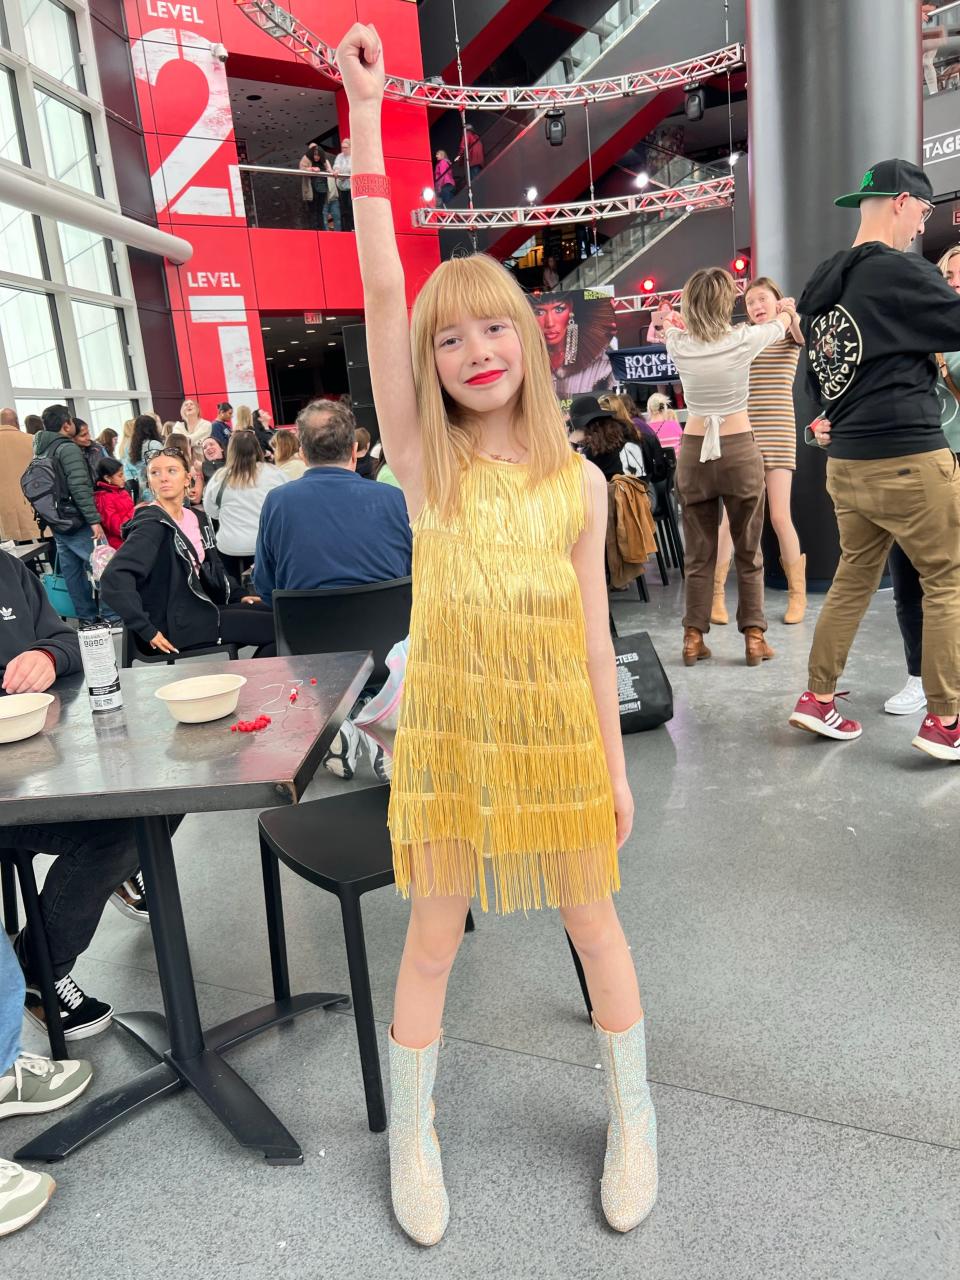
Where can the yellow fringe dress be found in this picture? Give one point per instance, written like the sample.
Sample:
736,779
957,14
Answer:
499,772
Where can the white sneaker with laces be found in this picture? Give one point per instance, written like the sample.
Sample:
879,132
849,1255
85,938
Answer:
37,1084
23,1194
909,700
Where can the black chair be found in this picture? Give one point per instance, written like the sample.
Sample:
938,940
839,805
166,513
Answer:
21,861
342,845
668,526
131,651
339,619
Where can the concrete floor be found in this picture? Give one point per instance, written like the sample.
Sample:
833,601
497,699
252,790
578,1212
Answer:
792,906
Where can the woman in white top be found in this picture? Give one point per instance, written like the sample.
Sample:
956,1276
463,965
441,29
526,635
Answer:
719,458
235,496
197,428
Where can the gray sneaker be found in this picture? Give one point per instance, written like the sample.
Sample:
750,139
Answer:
22,1196
34,1084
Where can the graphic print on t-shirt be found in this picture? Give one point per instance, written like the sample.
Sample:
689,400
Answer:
835,351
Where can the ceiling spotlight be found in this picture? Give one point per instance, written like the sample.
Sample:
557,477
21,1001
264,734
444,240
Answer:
427,194
294,342
531,194
281,350
311,331
555,126
642,179
265,328
331,344
302,360
693,103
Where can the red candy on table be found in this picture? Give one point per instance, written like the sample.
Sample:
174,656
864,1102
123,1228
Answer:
251,726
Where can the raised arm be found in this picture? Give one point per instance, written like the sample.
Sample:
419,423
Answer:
360,58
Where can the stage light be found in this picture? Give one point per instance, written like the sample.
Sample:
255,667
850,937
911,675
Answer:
642,180
531,194
555,126
732,158
648,285
693,103
427,194
740,264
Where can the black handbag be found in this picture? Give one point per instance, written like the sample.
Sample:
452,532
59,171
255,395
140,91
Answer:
646,695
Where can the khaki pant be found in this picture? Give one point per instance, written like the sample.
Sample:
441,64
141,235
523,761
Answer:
915,501
736,477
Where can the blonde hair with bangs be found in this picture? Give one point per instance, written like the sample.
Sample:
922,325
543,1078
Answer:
707,304
947,258
479,286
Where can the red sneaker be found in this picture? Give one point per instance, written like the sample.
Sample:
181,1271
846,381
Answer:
824,718
937,741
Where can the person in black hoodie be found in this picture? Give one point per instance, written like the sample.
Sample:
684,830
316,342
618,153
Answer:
167,581
90,858
871,316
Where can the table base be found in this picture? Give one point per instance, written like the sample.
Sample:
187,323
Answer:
229,1097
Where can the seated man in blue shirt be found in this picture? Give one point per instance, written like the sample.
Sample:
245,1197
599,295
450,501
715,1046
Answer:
330,528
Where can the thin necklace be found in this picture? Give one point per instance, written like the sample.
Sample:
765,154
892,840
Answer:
498,457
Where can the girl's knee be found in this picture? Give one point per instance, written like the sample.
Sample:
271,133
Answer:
592,928
434,939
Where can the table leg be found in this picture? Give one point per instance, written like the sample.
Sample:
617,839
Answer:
187,1060
99,1115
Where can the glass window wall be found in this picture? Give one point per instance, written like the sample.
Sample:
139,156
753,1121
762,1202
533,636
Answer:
102,341
29,331
51,34
67,134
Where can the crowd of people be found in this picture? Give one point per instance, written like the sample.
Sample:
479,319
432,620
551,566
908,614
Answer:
325,192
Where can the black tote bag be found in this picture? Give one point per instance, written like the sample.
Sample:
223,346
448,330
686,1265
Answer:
646,696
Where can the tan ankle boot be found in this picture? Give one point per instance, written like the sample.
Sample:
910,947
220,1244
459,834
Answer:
693,647
416,1175
797,589
628,1187
757,649
718,610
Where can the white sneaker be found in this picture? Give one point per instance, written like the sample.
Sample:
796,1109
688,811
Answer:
909,700
23,1195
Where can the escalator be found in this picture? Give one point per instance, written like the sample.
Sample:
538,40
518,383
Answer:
632,35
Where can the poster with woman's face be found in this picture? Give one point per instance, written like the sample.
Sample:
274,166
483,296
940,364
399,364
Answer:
578,326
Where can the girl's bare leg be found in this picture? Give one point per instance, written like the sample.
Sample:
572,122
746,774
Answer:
597,934
779,482
433,938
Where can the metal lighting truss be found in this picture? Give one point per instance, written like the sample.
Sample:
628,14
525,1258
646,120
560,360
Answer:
650,301
696,195
302,42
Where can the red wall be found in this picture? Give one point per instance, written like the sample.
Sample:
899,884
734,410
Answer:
237,271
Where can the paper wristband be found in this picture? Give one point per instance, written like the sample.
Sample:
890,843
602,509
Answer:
370,184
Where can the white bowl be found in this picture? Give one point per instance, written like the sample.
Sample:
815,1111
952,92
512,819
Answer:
202,698
22,715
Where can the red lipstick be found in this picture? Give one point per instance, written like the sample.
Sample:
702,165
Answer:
481,379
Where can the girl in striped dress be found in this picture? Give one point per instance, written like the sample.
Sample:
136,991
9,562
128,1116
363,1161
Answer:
775,429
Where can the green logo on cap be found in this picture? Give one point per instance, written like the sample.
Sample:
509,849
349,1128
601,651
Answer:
867,180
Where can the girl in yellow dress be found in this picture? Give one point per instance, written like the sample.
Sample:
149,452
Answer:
509,779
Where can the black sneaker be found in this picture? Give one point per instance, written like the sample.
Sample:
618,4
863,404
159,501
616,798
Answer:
80,1015
130,898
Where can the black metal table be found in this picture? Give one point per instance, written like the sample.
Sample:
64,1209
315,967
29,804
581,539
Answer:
29,552
137,763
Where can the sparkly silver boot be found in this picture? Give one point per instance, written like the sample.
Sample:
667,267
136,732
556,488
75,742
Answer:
416,1175
628,1188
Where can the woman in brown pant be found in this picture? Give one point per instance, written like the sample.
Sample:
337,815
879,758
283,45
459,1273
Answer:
719,458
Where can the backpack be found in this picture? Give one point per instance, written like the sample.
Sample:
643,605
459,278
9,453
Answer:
44,487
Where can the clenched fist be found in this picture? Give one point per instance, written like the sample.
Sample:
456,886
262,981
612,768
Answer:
360,59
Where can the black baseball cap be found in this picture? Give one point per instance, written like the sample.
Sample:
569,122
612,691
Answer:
890,178
586,409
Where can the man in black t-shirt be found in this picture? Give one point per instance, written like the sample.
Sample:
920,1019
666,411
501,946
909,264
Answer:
871,315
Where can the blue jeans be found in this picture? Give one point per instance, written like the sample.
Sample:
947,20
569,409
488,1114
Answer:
12,991
74,551
333,208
